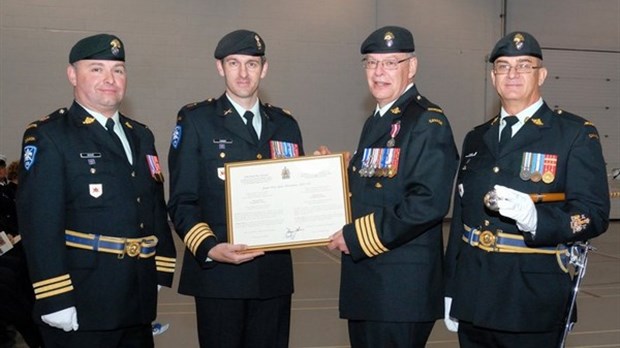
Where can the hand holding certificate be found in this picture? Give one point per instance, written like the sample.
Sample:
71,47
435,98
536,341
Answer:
286,203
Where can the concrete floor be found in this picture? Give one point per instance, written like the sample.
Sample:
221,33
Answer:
315,321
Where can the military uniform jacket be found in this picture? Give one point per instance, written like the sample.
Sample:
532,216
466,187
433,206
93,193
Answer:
394,270
74,177
513,291
208,135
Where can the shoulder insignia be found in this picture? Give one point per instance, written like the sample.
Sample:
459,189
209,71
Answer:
88,120
558,111
588,123
435,110
537,121
32,125
190,105
436,120
395,110
286,111
44,118
495,120
593,136
30,139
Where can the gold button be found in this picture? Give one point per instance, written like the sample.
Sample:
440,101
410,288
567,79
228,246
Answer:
222,154
378,185
259,156
487,222
495,169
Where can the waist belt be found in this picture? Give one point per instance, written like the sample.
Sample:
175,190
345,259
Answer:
511,243
132,247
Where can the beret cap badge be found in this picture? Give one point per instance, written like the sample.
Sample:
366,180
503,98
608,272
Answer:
259,46
389,39
518,40
115,46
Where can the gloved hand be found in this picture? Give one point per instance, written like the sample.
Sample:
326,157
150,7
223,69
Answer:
451,323
517,206
65,319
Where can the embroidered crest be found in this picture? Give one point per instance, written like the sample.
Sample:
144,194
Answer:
95,190
30,152
176,136
579,222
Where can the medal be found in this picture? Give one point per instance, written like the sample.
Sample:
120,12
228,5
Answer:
538,160
393,133
526,163
550,166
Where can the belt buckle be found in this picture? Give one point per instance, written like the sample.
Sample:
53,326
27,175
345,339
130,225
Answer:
132,248
488,239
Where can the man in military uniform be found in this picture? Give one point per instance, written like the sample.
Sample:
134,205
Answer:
507,283
92,212
243,299
400,180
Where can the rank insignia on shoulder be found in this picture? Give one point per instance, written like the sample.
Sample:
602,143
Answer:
286,111
435,110
395,110
588,123
436,120
176,136
29,140
537,121
593,136
32,125
88,120
30,152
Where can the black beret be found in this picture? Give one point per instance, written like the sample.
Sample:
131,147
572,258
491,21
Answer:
388,39
242,41
518,43
100,46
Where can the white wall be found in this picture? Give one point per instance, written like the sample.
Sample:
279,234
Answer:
313,50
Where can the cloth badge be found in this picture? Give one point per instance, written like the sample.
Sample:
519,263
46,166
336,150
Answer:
95,190
221,173
176,136
30,152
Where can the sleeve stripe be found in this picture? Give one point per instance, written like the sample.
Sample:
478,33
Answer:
54,293
50,281
367,235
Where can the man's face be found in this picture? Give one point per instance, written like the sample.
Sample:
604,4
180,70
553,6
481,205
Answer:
98,85
387,85
242,75
518,87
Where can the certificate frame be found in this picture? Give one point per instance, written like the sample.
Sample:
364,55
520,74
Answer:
290,203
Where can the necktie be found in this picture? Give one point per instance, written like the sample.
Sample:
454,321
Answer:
507,131
109,125
249,116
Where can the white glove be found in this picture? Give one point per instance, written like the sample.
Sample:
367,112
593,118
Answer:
517,206
452,324
65,319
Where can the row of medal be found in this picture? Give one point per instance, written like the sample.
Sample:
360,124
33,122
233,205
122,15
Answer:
283,149
538,166
380,162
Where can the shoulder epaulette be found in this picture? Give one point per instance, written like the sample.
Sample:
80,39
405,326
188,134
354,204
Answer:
426,104
54,115
194,105
285,111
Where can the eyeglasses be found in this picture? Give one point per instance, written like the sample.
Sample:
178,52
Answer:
387,64
521,68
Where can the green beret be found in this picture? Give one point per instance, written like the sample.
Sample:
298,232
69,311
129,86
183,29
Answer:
518,43
241,41
100,46
388,39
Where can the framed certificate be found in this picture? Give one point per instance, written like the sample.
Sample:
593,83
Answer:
286,203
